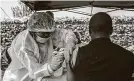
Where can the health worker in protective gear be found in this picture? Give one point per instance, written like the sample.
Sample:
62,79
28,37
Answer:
34,51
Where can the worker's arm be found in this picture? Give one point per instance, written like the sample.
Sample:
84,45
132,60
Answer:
70,73
70,43
31,63
35,69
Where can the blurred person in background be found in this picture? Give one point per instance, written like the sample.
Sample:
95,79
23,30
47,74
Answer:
101,60
34,51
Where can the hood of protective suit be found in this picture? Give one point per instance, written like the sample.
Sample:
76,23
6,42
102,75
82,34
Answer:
41,22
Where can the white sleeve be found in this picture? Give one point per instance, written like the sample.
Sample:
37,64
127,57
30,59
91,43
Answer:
69,38
31,63
43,72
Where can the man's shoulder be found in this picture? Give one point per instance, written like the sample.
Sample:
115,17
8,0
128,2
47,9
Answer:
122,52
85,49
120,48
111,47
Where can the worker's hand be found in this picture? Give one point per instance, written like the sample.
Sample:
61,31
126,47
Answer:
68,54
57,60
70,46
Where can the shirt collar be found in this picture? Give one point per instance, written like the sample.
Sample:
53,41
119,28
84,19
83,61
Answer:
100,40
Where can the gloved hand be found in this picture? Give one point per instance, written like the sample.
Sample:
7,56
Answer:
68,54
70,46
57,60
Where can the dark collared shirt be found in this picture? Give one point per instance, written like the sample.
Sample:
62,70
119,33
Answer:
102,60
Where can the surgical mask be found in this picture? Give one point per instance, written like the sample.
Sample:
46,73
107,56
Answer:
41,40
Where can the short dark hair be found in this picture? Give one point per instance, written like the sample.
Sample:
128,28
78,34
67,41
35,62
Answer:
101,22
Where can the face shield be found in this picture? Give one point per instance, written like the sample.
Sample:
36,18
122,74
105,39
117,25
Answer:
41,40
43,34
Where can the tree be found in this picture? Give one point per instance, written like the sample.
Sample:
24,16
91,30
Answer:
21,11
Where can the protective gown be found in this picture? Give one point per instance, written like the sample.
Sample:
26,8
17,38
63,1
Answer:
26,59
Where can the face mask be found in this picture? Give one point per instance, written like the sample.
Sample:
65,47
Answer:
41,40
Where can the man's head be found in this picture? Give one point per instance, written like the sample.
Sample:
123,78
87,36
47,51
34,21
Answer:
100,24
